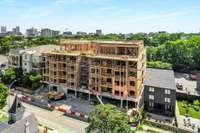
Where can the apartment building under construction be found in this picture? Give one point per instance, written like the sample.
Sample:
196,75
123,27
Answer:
110,69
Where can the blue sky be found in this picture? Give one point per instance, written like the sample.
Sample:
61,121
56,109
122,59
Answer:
112,16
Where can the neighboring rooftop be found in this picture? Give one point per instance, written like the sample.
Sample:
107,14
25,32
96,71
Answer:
20,126
160,78
35,50
44,48
26,124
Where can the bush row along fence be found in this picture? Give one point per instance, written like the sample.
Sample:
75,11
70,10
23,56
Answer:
167,127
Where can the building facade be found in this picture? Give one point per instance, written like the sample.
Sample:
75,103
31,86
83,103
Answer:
99,32
114,70
3,29
46,32
15,58
160,92
32,32
28,59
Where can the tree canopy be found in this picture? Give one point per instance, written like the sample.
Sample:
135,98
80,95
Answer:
10,42
9,75
31,80
108,119
4,91
184,55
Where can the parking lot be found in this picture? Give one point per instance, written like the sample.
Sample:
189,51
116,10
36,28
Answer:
77,105
3,59
188,85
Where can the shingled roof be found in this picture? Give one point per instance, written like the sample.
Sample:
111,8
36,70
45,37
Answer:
160,78
20,126
16,105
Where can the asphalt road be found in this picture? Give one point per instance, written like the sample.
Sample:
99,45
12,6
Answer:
56,120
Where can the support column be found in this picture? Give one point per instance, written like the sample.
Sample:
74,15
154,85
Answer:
127,103
49,87
75,94
121,105
89,96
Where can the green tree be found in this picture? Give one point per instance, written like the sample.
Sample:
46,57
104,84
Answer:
9,75
108,119
4,91
31,80
196,103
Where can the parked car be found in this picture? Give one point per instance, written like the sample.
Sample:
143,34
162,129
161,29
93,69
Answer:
179,86
3,65
193,77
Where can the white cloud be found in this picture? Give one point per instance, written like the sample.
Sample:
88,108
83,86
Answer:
67,2
7,1
159,16
107,8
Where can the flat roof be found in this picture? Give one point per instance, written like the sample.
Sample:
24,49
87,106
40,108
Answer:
160,78
112,57
58,52
42,48
34,50
63,41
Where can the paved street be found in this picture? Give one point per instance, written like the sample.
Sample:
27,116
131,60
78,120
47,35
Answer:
56,120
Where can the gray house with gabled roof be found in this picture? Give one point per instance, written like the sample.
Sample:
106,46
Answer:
160,92
20,121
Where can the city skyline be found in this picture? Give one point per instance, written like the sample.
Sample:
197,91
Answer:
109,15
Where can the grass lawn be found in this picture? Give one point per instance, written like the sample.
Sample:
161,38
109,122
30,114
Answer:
192,112
4,119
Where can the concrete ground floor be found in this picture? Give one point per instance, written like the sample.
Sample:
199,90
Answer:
159,118
85,94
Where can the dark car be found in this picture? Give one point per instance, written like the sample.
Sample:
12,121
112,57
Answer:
3,65
179,86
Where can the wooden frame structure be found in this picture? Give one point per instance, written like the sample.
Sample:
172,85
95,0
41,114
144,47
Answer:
106,68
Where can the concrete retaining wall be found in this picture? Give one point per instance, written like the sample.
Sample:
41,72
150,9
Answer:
166,127
184,96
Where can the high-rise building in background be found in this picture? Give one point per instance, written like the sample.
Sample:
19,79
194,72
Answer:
99,32
3,29
46,32
55,33
81,33
16,31
31,32
67,33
